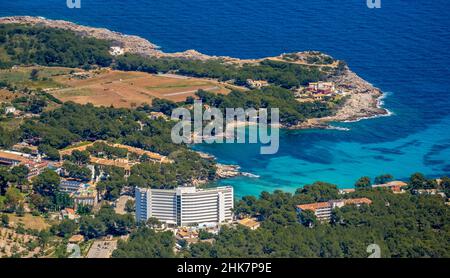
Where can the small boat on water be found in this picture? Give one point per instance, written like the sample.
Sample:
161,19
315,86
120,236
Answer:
250,175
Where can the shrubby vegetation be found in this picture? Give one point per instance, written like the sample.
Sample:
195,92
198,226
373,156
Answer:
100,149
73,122
56,47
286,75
26,45
31,104
8,137
291,111
47,196
77,172
188,166
146,243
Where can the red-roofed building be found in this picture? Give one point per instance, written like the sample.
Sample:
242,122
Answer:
395,186
323,210
358,201
35,168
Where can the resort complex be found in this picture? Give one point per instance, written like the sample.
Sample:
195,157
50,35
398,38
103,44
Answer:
93,163
186,206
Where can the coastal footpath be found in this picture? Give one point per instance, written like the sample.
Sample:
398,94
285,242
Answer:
362,99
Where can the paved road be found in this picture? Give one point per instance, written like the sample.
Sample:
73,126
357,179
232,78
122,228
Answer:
191,91
101,249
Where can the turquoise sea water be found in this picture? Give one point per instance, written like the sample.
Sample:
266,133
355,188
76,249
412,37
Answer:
402,48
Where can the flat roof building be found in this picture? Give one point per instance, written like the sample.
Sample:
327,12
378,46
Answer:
71,186
185,206
85,197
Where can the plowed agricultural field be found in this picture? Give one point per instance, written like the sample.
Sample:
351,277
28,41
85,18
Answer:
130,89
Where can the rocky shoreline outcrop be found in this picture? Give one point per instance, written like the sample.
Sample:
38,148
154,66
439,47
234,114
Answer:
364,100
227,171
130,43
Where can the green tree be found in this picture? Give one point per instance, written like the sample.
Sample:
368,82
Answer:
21,174
13,199
20,210
445,185
65,228
153,223
5,220
382,179
363,182
84,209
92,227
80,157
146,243
50,152
5,178
34,75
417,181
129,206
307,218
47,183
317,192
41,203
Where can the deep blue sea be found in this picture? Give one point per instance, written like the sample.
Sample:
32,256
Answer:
402,48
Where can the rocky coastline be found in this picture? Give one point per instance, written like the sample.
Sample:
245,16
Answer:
364,100
130,43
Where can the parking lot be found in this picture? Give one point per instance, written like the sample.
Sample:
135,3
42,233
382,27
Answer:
102,249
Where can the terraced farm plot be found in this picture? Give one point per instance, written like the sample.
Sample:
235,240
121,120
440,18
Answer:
129,89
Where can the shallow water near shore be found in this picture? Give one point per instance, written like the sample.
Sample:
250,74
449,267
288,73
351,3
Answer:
401,48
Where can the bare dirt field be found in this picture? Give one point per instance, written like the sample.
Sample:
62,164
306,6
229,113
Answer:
129,89
7,96
29,221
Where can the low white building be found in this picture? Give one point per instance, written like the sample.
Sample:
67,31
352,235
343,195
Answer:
185,206
10,109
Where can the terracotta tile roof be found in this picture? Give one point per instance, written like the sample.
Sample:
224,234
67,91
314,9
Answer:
249,222
152,155
70,211
13,156
76,239
397,183
121,163
69,150
314,206
358,201
391,184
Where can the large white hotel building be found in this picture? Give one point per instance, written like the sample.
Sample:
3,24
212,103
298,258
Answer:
185,206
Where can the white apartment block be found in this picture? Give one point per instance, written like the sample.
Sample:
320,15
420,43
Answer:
185,206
